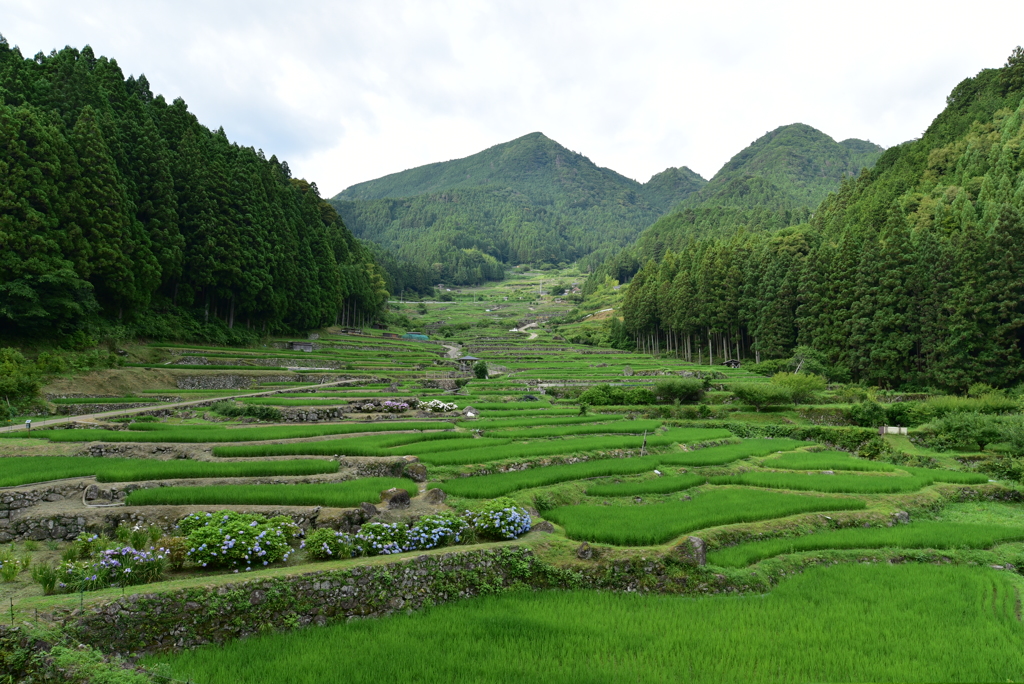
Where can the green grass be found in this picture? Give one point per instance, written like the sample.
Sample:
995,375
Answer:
658,485
200,434
335,494
490,486
852,623
570,446
919,535
375,445
658,523
16,471
826,460
728,453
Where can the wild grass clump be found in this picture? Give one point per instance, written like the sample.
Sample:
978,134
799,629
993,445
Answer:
850,623
825,460
571,446
376,445
658,485
333,494
728,453
490,486
919,535
657,523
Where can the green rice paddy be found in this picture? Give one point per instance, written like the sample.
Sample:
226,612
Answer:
836,624
16,471
376,445
650,524
720,455
826,460
334,494
918,535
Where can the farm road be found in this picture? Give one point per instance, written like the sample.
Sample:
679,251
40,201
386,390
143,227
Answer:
171,405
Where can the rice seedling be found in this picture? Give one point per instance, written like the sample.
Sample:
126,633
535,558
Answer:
200,434
918,535
635,427
845,623
571,446
826,460
502,423
728,453
334,494
657,485
21,470
447,445
658,523
375,445
852,484
490,486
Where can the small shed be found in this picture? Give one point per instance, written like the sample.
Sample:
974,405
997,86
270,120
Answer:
732,363
301,346
466,363
391,336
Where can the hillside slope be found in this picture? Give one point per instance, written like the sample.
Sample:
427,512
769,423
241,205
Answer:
527,200
908,276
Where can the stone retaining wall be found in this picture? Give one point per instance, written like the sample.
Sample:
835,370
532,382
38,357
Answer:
202,615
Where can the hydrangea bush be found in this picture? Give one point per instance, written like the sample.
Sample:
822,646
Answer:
430,531
121,566
438,406
500,519
237,540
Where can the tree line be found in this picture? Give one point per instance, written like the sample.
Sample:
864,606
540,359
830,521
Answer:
911,275
120,208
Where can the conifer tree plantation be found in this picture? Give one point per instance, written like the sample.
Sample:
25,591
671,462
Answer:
528,420
122,209
909,276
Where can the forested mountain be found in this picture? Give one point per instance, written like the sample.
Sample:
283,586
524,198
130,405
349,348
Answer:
911,275
775,182
118,206
528,200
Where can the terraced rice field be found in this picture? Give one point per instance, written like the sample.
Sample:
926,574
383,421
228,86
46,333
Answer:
334,494
837,624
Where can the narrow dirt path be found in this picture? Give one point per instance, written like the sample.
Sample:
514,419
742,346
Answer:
454,351
172,405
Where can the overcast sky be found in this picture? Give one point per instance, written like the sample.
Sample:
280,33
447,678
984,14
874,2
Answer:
348,91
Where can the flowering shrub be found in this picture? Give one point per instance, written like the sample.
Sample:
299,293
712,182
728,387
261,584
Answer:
394,406
376,539
430,531
500,519
237,540
438,406
326,544
121,567
442,529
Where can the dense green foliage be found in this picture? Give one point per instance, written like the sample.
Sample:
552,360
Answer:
775,182
920,535
908,276
121,207
529,200
839,624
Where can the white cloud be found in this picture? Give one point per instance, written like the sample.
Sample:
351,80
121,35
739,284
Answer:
348,91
